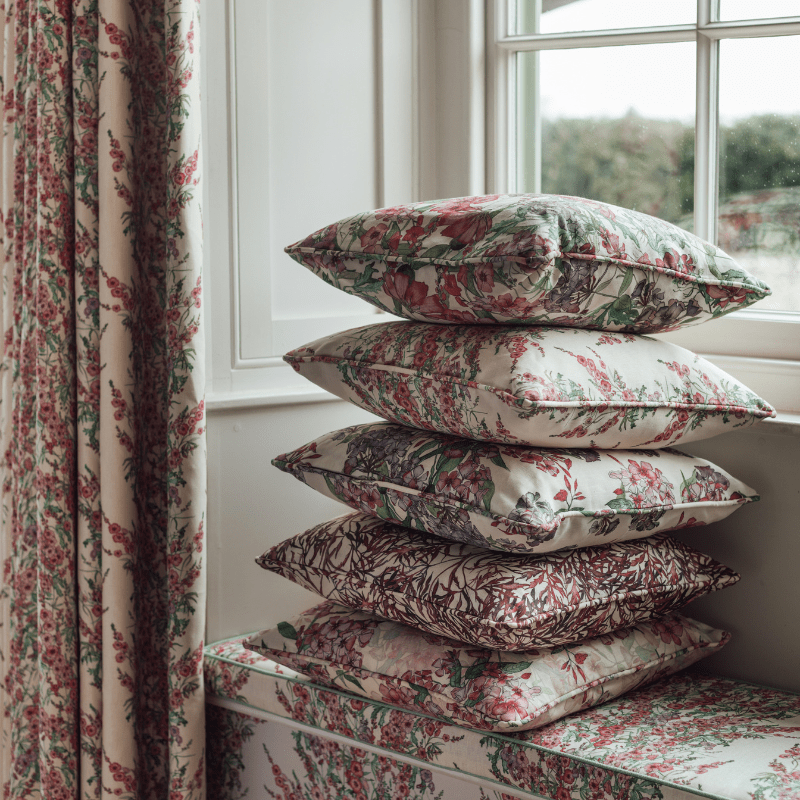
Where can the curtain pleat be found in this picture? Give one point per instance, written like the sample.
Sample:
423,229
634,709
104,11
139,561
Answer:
103,470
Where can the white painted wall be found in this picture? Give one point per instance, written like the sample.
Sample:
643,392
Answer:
253,506
761,542
355,111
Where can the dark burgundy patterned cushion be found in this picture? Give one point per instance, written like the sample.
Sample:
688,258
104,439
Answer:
492,599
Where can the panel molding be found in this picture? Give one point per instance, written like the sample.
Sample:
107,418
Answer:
233,161
238,360
461,108
229,401
397,127
418,121
397,68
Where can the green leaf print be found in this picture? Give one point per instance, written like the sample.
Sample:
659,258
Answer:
286,630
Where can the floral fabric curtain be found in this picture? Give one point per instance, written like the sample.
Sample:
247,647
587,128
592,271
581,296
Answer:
103,452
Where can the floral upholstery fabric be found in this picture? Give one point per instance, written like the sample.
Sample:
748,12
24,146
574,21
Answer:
547,387
476,687
532,259
247,753
683,737
492,599
514,498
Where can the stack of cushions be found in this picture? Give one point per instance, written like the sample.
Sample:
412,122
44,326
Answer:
508,560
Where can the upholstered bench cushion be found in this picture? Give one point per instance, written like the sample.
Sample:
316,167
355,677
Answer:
687,736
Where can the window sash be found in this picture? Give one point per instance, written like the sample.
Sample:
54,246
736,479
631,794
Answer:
768,334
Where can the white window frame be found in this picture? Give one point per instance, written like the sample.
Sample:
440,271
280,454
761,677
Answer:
742,340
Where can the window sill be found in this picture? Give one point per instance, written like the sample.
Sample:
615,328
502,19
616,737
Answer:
299,395
785,424
751,333
776,380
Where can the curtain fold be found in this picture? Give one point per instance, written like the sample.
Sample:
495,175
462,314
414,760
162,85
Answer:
102,418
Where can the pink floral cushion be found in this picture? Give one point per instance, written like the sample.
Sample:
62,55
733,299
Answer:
548,387
532,259
515,498
491,599
485,689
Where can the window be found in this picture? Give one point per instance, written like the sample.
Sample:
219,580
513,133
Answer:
685,110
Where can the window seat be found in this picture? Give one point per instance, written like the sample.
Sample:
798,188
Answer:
273,733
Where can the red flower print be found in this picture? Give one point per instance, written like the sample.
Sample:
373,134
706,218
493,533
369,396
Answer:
465,229
413,294
402,396
723,295
461,205
670,630
508,708
370,240
450,285
448,483
484,278
413,233
323,240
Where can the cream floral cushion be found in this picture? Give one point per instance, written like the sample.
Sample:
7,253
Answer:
491,599
532,259
548,387
485,689
514,498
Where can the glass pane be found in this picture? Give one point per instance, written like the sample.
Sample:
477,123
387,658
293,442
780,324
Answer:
624,135
759,203
558,16
758,9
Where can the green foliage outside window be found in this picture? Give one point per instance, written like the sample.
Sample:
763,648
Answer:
648,165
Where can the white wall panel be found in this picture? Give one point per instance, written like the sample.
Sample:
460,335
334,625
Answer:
311,116
250,75
321,141
253,505
761,541
460,97
323,127
398,97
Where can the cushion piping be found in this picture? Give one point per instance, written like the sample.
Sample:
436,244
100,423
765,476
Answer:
417,262
523,402
664,659
704,587
560,516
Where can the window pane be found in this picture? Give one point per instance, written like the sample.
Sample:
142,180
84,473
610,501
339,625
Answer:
747,9
557,16
617,125
759,204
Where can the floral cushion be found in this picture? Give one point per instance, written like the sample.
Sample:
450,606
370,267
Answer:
485,689
533,259
520,499
548,387
491,599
